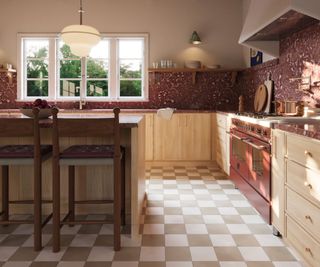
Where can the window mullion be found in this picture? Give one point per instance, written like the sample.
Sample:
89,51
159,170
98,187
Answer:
83,85
113,74
52,69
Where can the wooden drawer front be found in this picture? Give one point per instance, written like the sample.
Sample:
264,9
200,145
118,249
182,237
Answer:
304,181
304,150
222,121
303,242
304,212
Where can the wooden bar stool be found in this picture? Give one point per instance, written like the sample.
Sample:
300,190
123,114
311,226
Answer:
24,155
83,155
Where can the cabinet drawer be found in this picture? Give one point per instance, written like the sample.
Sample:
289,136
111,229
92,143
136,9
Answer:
307,214
303,242
304,181
304,150
222,121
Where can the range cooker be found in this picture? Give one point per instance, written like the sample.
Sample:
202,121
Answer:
250,161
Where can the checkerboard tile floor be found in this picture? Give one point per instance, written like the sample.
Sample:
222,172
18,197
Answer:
193,217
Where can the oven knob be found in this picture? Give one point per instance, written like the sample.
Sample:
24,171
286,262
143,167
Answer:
258,130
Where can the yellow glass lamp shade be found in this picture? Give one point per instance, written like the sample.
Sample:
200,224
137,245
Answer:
80,38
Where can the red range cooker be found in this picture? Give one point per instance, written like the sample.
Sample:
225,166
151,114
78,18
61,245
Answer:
250,163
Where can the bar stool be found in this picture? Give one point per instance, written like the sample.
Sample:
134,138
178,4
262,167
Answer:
34,155
84,155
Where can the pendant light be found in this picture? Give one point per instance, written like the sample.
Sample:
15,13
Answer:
80,38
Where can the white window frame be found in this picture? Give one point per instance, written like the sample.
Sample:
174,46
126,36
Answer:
113,78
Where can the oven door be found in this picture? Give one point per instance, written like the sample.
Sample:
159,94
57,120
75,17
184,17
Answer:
239,152
259,166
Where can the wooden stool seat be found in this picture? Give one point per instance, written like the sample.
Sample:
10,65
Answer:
88,151
22,151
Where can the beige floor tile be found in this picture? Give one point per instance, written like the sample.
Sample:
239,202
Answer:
178,254
153,240
228,254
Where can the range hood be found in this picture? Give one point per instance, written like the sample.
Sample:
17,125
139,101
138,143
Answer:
268,21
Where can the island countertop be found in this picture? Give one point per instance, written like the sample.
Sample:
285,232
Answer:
126,121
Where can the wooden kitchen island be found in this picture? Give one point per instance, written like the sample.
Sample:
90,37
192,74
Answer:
92,182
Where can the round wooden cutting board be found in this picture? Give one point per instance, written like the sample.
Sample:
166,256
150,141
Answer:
260,98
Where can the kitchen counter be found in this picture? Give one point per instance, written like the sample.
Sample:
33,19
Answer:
15,111
126,121
308,130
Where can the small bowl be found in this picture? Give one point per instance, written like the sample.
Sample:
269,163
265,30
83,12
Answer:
43,113
193,64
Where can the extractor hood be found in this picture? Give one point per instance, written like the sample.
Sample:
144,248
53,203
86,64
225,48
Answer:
268,21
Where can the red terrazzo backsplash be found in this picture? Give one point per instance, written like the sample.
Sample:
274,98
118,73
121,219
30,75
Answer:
299,56
212,90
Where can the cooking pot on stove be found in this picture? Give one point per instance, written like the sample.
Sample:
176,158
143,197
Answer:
289,108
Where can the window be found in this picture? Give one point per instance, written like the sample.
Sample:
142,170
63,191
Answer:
115,70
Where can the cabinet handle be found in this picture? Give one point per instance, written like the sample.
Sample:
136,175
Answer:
309,251
308,217
307,153
306,184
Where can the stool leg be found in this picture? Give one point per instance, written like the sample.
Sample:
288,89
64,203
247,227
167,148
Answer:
37,206
56,205
123,190
5,193
71,194
117,205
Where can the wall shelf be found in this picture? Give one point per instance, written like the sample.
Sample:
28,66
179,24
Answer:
193,71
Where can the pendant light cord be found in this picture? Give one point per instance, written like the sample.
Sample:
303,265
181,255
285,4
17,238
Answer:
81,11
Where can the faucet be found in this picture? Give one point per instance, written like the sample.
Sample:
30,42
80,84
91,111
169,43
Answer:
82,102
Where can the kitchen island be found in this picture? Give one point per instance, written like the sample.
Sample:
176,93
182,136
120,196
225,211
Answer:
92,182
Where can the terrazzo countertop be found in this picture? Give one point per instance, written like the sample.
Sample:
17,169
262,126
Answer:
308,130
11,111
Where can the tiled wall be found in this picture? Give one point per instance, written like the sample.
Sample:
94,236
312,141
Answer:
299,56
212,90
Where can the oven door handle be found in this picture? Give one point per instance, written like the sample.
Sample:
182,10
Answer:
237,137
258,147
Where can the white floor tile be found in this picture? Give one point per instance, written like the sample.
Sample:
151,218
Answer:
152,254
203,254
196,229
228,211
232,264
101,254
238,229
253,254
213,219
222,241
173,219
206,203
287,264
154,211
191,211
171,203
252,219
176,240
83,241
46,254
7,252
17,264
178,264
269,241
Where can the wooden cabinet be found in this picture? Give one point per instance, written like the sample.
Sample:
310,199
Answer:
278,179
221,144
149,136
296,192
186,137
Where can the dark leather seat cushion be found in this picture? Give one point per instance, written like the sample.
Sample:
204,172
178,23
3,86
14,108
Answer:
89,151
22,151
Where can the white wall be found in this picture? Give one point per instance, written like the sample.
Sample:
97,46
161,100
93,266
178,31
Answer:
169,23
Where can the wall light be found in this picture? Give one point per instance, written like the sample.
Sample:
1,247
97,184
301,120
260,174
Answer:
80,38
195,39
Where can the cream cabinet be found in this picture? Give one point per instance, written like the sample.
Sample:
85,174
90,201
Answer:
278,179
221,144
186,137
296,192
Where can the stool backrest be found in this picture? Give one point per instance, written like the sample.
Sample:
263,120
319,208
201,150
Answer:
86,127
23,127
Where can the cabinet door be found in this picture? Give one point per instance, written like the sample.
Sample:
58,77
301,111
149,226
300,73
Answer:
277,180
196,137
149,136
167,137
